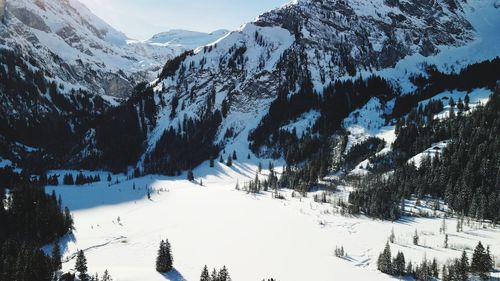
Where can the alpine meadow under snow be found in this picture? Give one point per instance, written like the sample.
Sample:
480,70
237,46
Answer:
326,140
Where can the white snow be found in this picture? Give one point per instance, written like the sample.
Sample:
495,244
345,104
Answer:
256,237
435,149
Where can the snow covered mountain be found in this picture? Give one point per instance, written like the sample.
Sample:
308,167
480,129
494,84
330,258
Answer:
62,64
185,39
305,46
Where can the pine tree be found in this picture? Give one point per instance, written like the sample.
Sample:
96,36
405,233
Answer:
399,264
212,164
164,260
446,241
384,263
260,168
56,257
229,162
205,276
463,267
235,157
106,276
392,236
109,177
480,263
81,265
190,175
415,238
221,160
223,275
214,275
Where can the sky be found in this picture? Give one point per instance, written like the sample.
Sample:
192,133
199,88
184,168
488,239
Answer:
141,19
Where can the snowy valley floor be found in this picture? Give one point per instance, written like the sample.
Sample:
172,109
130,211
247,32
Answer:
256,237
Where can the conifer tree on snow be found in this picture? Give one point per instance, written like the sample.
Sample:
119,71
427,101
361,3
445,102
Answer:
190,175
81,265
463,267
481,263
56,257
384,263
164,260
229,162
214,275
205,276
106,276
415,238
235,157
223,275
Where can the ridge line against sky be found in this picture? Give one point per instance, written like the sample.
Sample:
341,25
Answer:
143,19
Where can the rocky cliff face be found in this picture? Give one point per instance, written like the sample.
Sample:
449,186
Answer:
308,42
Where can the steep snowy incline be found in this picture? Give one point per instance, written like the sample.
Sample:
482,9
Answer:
185,39
78,48
309,43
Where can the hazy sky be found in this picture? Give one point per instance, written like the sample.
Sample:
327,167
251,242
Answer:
140,19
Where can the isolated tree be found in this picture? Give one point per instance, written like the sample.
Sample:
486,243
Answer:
106,276
229,162
392,236
212,164
446,241
205,276
415,238
190,175
81,265
221,160
164,260
260,168
109,177
56,257
235,157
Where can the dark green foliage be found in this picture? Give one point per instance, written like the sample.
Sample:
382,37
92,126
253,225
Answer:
384,261
482,262
173,65
32,220
81,266
484,74
120,133
205,276
176,151
221,275
190,175
164,260
56,257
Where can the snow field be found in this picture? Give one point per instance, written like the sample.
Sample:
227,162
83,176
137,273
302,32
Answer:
256,237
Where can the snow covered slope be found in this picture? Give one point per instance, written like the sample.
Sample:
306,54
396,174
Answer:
317,42
255,236
185,39
79,49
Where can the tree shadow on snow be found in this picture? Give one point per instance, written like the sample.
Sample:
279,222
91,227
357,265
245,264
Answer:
174,275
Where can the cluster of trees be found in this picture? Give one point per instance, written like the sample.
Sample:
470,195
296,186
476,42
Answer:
186,147
53,123
81,179
339,99
29,218
221,275
466,174
82,269
120,133
483,74
164,259
458,269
